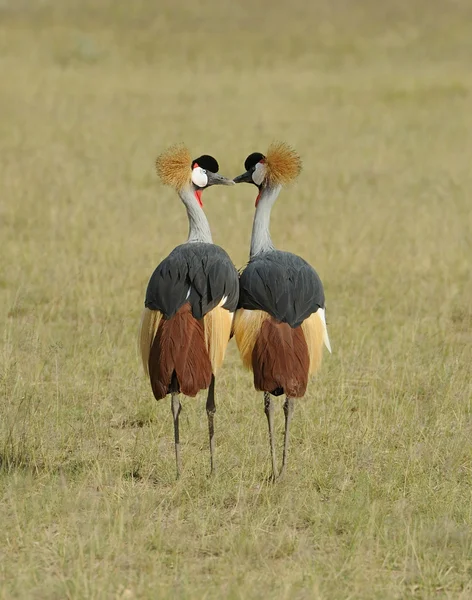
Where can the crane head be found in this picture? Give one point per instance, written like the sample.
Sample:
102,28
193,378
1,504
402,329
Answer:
205,173
280,166
176,169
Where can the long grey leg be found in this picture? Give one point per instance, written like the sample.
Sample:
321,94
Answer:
269,411
176,408
211,410
289,406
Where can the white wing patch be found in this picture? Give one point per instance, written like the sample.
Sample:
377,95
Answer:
222,303
325,335
188,293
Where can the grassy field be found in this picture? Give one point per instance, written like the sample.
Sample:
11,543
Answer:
376,97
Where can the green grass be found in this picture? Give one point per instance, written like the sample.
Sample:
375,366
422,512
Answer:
376,97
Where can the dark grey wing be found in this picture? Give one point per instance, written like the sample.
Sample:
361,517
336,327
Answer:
282,284
201,274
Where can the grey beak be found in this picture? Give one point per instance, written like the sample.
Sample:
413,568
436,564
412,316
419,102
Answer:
244,178
216,179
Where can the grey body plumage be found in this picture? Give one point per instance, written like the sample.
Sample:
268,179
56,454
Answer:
199,273
282,284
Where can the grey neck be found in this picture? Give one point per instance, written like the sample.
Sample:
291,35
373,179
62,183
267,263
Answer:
198,226
260,240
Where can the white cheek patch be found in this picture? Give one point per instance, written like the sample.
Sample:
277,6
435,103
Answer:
259,173
199,177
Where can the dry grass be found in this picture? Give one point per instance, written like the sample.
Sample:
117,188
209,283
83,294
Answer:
376,97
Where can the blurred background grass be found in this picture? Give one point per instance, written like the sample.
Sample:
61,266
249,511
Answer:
376,97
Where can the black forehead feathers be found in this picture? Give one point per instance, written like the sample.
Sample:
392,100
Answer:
206,162
252,160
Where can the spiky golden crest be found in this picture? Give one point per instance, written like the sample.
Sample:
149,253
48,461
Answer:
174,166
283,164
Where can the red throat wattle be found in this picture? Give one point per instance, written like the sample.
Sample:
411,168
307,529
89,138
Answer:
198,193
258,198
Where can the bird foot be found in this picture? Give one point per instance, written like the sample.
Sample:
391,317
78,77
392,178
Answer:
280,476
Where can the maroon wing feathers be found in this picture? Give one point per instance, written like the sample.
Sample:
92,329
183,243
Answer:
179,346
280,359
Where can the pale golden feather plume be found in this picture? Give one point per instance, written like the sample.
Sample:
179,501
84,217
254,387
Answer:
174,166
283,164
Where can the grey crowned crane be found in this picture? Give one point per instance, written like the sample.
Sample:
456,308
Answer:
280,324
190,298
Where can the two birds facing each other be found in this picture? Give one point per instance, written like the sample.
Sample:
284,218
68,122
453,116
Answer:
196,299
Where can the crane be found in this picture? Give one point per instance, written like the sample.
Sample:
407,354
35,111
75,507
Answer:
190,298
280,324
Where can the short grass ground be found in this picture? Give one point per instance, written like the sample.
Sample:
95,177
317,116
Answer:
377,98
